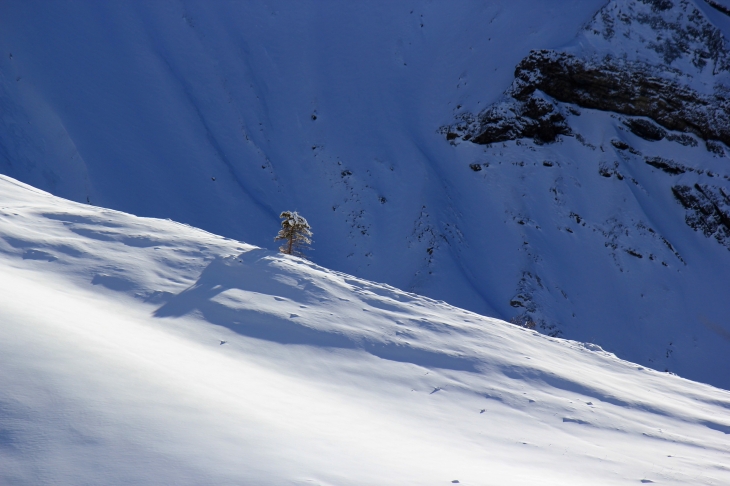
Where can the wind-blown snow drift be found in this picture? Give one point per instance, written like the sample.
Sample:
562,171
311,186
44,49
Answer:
144,351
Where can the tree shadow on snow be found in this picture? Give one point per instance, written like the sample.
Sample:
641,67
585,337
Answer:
261,281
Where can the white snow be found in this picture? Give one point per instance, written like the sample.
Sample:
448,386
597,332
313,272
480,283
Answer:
137,106
203,112
144,351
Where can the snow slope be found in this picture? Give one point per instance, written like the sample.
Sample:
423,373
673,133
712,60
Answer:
137,106
223,114
607,252
145,351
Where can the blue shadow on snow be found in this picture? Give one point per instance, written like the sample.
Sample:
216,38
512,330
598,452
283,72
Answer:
251,272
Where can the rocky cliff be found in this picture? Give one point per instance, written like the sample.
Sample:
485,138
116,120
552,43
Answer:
627,129
674,87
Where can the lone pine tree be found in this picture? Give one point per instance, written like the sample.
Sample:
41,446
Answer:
296,232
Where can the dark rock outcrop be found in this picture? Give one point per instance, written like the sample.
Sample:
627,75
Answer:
668,166
533,117
708,210
683,139
666,77
645,129
629,88
718,7
666,68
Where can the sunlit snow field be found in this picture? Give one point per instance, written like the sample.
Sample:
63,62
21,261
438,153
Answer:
144,351
147,351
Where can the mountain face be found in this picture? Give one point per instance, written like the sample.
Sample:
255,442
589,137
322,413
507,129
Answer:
642,59
570,175
641,95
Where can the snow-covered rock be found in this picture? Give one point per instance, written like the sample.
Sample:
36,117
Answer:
644,84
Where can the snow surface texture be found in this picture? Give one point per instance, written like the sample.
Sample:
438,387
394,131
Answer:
223,114
143,351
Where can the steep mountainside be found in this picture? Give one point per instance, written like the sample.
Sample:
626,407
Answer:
143,351
570,173
626,129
